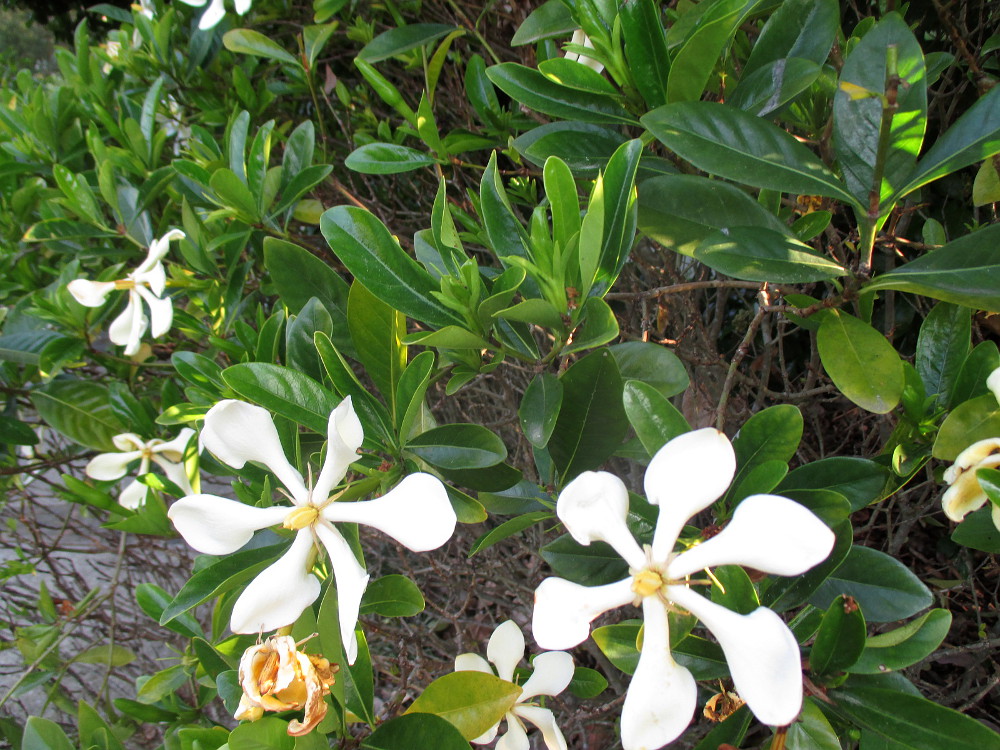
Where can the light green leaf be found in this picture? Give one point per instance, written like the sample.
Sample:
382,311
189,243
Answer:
250,42
386,158
905,645
759,254
392,596
472,701
860,362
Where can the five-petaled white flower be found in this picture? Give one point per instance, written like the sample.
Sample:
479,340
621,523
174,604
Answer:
965,494
579,37
169,456
145,283
769,533
416,513
216,11
553,671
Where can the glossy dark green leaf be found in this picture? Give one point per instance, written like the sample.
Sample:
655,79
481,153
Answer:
80,410
153,601
646,49
584,147
694,61
359,686
730,143
965,272
372,412
905,645
617,642
539,408
402,39
369,251
860,361
250,42
211,659
471,701
784,593
283,391
415,730
386,158
973,420
731,731
508,529
593,565
592,421
860,480
551,18
736,591
679,211
233,194
651,364
619,221
971,380
974,137
759,254
857,120
458,446
910,721
587,683
840,640
978,532
655,420
410,391
377,331
300,351
534,90
16,432
812,730
571,74
598,326
767,89
803,29
300,276
392,596
883,587
942,348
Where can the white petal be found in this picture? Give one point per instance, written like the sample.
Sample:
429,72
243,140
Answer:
242,6
489,734
237,432
767,532
993,383
280,593
161,311
128,441
176,472
506,649
194,3
964,496
345,436
127,329
761,651
553,671
685,476
564,610
472,663
593,507
515,738
212,15
544,720
218,526
173,450
90,293
158,250
351,581
109,466
661,698
416,513
133,496
971,457
155,278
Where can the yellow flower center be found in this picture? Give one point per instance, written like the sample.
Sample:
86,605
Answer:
301,517
646,582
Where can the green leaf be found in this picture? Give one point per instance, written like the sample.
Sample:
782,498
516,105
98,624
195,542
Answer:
971,380
410,392
646,49
802,29
42,734
415,731
234,194
587,683
472,701
759,254
283,391
359,688
857,121
386,158
655,420
736,145
365,246
860,362
80,410
509,529
268,733
371,411
942,348
592,421
974,137
978,532
617,193
218,577
964,271
986,186
651,364
532,89
694,62
909,721
392,596
108,654
377,330
551,18
250,42
598,325
79,195
883,587
16,432
860,480
736,592
458,446
905,645
784,593
539,408
593,565
584,147
971,421
812,731
769,88
679,211
840,639
300,349
617,642
403,39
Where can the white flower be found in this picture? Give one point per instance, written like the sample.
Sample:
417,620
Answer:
145,8
579,37
553,671
216,11
965,493
768,533
145,283
169,456
417,513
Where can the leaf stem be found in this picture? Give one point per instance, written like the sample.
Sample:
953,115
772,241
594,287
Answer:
889,107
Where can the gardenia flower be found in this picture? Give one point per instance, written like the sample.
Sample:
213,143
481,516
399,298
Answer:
579,37
768,533
216,10
169,456
276,676
965,493
145,284
417,513
553,671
